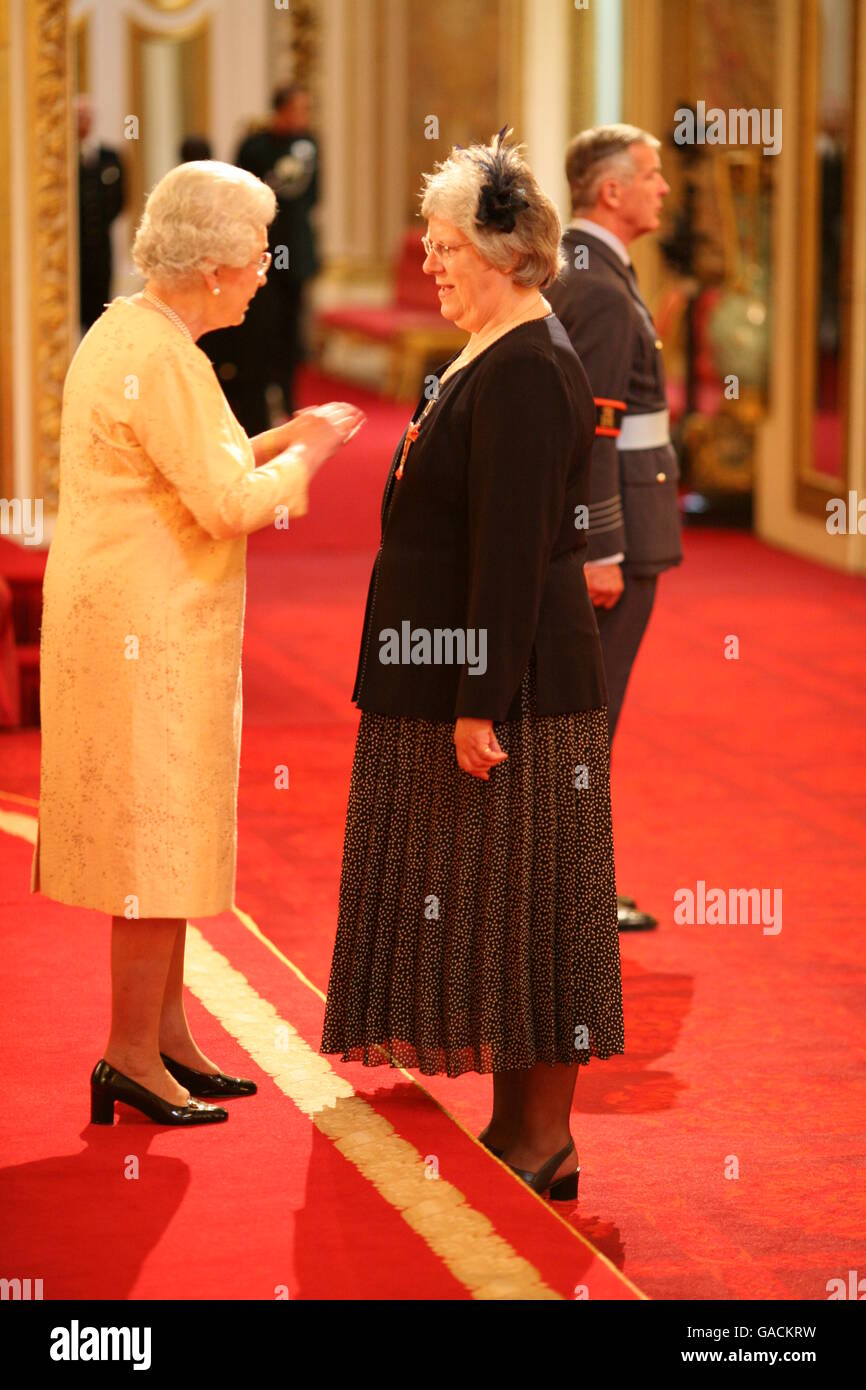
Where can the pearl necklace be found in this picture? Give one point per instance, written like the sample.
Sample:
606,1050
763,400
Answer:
169,313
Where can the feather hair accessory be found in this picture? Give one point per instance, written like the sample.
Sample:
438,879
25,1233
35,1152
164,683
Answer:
501,197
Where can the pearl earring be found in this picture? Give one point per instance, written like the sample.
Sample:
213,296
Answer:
215,290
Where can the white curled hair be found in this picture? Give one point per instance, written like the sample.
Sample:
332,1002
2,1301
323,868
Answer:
201,215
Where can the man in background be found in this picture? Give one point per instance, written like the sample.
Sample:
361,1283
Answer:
100,199
268,346
617,190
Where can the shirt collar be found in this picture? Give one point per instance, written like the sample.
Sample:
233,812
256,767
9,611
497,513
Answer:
586,224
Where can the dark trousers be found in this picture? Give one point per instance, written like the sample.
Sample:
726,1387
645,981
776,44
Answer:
94,287
621,629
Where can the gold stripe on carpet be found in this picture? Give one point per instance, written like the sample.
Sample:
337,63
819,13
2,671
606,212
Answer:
17,823
25,800
255,930
463,1238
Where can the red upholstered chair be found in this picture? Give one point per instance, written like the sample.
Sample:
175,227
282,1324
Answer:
10,681
410,325
21,571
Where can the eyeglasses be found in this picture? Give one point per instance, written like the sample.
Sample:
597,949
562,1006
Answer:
264,263
439,250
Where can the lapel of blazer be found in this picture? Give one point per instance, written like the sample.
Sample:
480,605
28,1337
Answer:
397,452
389,481
597,247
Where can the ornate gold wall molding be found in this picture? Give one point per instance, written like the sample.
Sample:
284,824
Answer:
53,278
511,50
81,53
169,6
7,484
464,67
644,95
296,35
304,41
581,67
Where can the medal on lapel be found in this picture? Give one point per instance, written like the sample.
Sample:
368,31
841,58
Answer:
411,436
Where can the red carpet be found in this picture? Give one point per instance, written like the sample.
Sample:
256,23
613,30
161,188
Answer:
745,1051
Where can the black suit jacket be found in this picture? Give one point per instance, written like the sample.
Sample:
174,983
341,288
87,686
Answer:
480,534
290,165
634,505
100,199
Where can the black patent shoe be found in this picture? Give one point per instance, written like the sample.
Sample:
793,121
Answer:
108,1085
564,1189
214,1085
491,1147
632,919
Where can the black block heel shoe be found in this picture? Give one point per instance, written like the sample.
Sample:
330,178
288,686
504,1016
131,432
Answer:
564,1189
108,1085
214,1084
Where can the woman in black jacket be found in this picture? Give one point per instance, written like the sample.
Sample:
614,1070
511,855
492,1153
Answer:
477,923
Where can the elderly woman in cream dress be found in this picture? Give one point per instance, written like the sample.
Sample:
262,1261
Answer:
143,618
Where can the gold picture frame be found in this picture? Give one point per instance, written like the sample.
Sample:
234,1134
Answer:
813,488
7,467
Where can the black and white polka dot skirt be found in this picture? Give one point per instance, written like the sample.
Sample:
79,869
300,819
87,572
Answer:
477,924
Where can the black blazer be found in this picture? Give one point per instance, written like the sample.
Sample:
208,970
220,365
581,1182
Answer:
485,536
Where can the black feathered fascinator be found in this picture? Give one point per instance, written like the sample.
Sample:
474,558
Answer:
501,197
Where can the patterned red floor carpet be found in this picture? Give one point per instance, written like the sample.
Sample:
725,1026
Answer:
722,1156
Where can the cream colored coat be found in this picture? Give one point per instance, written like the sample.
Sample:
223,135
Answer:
142,624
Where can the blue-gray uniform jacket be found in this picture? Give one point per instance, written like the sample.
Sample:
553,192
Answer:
633,490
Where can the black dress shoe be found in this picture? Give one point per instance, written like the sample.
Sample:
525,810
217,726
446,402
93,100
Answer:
564,1189
623,901
210,1084
108,1086
632,919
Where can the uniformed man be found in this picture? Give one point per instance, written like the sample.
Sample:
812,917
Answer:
617,190
100,200
269,345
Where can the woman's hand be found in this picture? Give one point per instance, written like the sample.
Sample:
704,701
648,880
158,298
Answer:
346,419
322,429
477,747
604,584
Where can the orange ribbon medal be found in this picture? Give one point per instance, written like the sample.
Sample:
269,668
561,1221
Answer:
411,436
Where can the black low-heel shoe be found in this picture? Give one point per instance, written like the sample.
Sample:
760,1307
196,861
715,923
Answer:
209,1084
565,1189
108,1085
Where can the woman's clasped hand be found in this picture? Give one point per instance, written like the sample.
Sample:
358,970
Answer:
477,747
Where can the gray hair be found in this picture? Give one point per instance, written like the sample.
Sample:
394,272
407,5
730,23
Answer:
601,153
530,252
201,215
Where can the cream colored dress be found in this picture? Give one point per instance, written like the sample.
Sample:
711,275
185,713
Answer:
142,624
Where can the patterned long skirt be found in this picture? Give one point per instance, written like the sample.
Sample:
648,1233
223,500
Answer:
477,924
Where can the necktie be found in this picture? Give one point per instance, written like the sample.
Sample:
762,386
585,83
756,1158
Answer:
632,275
